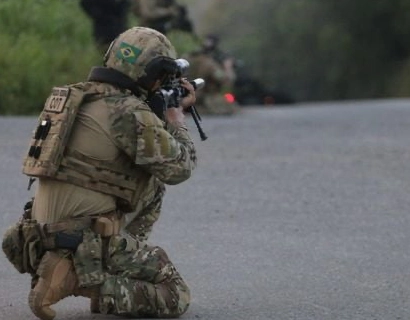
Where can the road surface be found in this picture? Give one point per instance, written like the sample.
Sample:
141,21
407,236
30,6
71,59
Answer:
299,212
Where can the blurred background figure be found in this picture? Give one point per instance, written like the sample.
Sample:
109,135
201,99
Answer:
162,15
307,51
210,47
217,69
109,18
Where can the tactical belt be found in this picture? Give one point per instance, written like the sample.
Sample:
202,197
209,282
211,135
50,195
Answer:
68,225
69,234
63,235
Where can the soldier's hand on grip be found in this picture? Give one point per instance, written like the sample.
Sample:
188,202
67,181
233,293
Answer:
175,116
190,99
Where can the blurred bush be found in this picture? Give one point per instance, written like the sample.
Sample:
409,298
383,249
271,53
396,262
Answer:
46,43
43,43
184,42
310,49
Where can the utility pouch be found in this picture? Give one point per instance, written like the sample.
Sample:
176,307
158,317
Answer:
88,260
107,226
69,241
23,245
12,246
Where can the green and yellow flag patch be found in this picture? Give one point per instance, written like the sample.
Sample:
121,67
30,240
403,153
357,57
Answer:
128,52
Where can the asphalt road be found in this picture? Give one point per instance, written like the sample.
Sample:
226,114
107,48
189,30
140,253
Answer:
293,213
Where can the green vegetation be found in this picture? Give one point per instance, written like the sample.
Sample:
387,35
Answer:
312,49
45,44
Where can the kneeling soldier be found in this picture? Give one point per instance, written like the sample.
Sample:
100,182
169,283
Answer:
99,153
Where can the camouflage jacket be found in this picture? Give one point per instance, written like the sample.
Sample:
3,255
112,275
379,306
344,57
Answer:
116,146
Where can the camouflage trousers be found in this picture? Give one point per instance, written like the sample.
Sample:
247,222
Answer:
141,282
139,224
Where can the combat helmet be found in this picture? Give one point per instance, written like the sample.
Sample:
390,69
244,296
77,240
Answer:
133,50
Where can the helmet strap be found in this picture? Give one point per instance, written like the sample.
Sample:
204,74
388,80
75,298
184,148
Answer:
114,77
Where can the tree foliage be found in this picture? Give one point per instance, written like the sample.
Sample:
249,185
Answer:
312,49
46,43
320,49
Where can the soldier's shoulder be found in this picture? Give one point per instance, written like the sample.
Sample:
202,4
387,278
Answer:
132,110
123,105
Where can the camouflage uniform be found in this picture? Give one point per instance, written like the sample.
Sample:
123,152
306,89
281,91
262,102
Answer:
211,100
139,224
114,129
142,282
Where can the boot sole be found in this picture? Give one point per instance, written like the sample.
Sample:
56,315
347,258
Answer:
35,298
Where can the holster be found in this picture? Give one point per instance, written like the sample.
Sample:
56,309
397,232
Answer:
25,243
107,225
89,258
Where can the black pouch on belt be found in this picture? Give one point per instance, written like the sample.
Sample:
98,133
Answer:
69,241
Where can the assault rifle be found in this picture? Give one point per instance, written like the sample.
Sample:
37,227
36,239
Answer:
168,96
171,92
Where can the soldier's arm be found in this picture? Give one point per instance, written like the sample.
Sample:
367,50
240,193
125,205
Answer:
166,151
149,10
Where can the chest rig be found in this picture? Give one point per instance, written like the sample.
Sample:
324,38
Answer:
48,156
50,138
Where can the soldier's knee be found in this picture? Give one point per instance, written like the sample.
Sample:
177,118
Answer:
184,300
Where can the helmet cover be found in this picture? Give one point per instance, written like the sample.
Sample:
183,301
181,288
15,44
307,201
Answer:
135,48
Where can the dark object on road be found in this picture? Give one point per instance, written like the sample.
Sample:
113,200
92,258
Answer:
250,91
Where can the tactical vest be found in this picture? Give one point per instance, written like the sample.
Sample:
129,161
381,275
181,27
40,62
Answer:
49,157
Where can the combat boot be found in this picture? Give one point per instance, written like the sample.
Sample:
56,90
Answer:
57,280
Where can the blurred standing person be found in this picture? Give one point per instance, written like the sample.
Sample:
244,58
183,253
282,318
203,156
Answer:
162,15
109,18
210,46
217,69
215,97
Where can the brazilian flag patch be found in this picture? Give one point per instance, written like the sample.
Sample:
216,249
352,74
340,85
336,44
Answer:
128,52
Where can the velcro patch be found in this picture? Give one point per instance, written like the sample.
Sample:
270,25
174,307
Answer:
56,102
128,52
